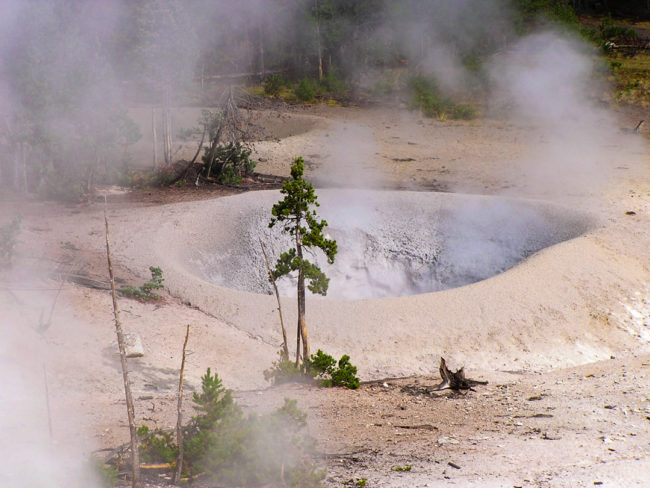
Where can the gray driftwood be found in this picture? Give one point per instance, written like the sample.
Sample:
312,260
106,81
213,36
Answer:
455,380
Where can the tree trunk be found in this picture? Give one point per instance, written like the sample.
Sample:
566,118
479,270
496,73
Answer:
318,43
261,42
155,137
23,157
302,325
135,455
179,418
167,127
17,162
285,347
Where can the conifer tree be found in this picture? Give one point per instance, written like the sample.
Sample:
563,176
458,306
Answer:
300,220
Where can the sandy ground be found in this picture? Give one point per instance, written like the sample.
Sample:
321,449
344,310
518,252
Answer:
563,338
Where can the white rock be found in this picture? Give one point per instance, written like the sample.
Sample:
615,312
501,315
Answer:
133,345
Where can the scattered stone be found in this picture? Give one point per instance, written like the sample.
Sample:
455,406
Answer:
453,465
547,437
447,440
133,345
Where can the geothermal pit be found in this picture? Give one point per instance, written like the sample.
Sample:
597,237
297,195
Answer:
391,243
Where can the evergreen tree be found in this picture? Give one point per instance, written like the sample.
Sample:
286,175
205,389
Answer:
300,221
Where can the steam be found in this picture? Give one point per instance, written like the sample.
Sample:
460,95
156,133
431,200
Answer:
546,81
30,455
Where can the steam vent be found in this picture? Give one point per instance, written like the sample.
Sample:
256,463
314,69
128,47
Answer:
391,243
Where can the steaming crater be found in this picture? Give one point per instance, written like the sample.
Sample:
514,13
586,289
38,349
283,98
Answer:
391,243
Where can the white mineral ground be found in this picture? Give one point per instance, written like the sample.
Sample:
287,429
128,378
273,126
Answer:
562,337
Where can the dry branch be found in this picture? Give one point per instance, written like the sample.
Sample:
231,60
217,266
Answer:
135,457
285,347
179,420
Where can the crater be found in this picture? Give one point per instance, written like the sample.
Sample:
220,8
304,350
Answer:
391,243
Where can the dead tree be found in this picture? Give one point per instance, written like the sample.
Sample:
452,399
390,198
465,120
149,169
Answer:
179,420
285,347
135,455
455,380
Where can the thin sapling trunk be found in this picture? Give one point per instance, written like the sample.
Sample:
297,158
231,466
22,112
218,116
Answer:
135,455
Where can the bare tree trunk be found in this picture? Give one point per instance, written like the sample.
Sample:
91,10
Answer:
285,347
23,157
302,325
167,127
135,455
47,403
179,421
318,43
155,137
17,162
261,45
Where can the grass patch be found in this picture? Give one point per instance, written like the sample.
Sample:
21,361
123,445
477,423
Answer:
631,78
426,97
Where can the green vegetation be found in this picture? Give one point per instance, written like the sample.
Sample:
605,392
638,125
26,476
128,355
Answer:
161,177
425,96
145,292
408,467
325,368
305,90
105,474
320,366
234,449
229,162
156,446
530,13
274,84
284,371
8,240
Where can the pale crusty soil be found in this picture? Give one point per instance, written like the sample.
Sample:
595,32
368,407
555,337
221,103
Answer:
563,338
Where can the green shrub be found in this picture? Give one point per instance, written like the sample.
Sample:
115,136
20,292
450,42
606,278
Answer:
305,90
8,240
325,367
283,371
232,162
252,450
229,177
105,474
156,446
332,84
611,32
163,176
273,85
145,293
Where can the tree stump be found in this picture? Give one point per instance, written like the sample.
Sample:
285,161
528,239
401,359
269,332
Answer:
455,380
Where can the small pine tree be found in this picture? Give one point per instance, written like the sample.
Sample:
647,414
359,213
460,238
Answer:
300,221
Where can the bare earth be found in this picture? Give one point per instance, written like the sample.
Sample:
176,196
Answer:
563,338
